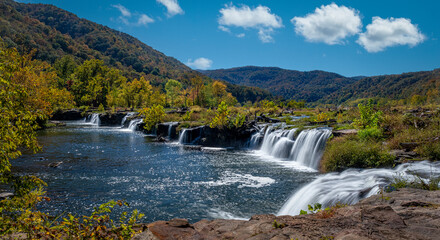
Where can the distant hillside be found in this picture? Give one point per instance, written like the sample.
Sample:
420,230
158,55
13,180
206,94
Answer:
310,86
53,33
399,86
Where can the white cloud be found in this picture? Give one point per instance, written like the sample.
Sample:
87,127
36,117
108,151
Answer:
200,63
145,20
124,11
259,18
329,24
383,33
172,6
224,29
241,35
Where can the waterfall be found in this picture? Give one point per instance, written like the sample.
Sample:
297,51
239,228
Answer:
183,136
306,149
125,118
93,120
309,147
278,143
170,128
352,185
133,126
190,135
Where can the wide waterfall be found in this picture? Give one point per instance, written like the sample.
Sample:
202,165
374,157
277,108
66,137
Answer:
352,185
93,119
306,149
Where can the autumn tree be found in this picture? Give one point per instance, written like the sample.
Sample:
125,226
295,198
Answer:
173,89
28,95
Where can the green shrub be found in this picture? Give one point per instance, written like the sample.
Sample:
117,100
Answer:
221,118
430,150
153,116
373,133
368,116
342,153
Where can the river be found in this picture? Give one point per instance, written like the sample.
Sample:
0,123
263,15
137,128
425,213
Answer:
161,180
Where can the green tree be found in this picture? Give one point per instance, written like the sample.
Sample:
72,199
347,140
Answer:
369,117
153,115
28,94
221,118
173,89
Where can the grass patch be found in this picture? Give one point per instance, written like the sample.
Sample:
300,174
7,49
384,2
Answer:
348,152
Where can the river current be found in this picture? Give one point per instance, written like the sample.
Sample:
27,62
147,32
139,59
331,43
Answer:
161,180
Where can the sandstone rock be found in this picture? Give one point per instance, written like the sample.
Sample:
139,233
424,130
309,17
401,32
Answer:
403,214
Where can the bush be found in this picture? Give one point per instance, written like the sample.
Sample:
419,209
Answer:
430,150
153,116
342,153
373,133
221,118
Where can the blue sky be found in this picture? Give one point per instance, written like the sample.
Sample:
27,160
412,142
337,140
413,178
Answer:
347,37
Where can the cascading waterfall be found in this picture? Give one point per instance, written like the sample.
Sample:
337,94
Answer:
352,185
190,135
183,136
309,147
170,128
133,126
306,149
125,118
93,120
278,143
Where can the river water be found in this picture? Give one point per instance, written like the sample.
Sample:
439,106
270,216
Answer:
169,180
163,181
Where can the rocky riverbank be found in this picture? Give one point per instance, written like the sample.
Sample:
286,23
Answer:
404,214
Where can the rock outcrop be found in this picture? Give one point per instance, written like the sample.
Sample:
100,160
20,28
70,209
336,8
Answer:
403,214
70,115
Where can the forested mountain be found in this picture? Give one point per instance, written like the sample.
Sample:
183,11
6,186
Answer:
53,33
310,86
407,86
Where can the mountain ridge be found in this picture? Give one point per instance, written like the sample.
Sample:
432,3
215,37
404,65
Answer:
52,33
310,86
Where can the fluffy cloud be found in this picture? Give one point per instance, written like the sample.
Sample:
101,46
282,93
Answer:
144,20
172,6
259,18
329,24
383,33
200,63
124,11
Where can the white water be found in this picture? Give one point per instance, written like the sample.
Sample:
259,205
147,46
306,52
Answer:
306,149
125,118
352,185
92,120
186,135
309,147
170,127
182,136
134,124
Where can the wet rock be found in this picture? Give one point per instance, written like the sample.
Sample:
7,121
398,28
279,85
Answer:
6,195
409,146
67,115
111,119
54,164
344,132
